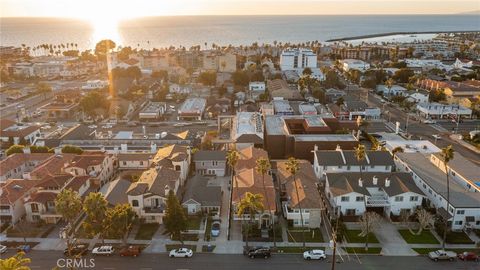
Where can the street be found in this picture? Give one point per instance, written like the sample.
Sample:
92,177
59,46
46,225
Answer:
48,259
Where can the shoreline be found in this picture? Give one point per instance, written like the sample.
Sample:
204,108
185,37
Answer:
397,33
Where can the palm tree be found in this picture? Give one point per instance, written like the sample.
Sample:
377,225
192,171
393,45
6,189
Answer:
389,83
360,155
447,155
263,166
251,204
232,159
16,262
293,167
396,150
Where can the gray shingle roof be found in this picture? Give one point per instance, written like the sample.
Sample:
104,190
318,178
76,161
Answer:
209,155
200,190
334,158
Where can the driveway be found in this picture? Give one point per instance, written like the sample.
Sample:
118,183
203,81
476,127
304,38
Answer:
392,242
223,183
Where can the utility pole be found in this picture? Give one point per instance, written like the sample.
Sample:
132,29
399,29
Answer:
334,240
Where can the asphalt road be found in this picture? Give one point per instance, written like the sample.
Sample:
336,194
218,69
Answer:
48,260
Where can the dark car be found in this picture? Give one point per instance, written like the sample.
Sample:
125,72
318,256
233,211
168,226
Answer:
468,256
77,250
257,252
133,251
23,248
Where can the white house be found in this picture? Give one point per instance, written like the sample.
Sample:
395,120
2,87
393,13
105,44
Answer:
210,162
97,165
438,111
95,84
395,90
14,166
417,98
134,161
176,157
12,197
294,59
349,64
180,89
464,203
256,89
9,130
336,161
351,194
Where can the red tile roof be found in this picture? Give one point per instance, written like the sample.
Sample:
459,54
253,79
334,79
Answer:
18,159
14,189
51,166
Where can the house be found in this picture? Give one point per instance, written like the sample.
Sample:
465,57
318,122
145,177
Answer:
340,161
41,204
13,193
202,195
95,164
332,94
14,166
192,109
49,167
297,58
308,198
247,129
439,111
134,161
350,64
429,176
352,194
256,89
153,111
361,109
394,90
210,162
175,157
148,195
279,89
418,97
18,133
247,179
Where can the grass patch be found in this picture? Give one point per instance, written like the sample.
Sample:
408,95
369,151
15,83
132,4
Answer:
30,232
296,249
208,229
424,251
314,235
177,246
352,237
458,238
361,250
426,237
187,237
205,248
146,231
194,222
477,232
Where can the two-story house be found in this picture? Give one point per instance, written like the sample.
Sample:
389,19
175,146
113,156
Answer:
176,157
134,161
13,193
308,198
210,162
14,166
148,195
98,165
352,194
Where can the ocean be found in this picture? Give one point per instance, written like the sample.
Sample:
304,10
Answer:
158,32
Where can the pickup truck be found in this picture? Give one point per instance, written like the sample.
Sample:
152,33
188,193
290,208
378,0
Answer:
442,255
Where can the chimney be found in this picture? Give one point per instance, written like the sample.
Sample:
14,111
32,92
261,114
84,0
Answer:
58,151
375,180
336,149
167,189
360,182
315,147
123,147
153,147
26,150
387,182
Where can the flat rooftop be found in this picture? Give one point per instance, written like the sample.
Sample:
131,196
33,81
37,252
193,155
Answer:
124,135
325,137
153,107
248,123
193,105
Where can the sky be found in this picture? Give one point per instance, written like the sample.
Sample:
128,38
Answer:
127,9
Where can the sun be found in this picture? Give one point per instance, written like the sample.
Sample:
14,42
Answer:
105,27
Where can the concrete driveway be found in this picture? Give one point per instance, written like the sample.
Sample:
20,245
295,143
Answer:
392,242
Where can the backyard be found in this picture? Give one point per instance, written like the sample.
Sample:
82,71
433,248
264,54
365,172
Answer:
352,237
426,237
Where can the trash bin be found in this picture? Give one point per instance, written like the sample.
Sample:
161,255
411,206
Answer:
209,248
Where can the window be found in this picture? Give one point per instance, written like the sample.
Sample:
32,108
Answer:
458,222
387,168
414,198
424,186
348,168
324,168
372,166
460,212
305,222
363,167
141,163
306,211
340,167
399,198
350,212
135,203
124,163
345,199
359,199
450,209
34,208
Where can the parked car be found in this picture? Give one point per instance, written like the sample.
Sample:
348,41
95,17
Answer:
429,121
23,248
436,136
103,250
257,252
442,255
181,253
3,249
315,254
468,256
133,251
77,250
215,228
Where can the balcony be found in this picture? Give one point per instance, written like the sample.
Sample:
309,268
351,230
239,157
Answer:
378,198
154,209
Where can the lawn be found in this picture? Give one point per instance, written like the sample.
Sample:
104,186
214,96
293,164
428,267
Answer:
310,236
146,231
458,238
30,231
208,229
194,222
296,249
177,246
426,237
361,250
187,237
477,232
456,250
352,237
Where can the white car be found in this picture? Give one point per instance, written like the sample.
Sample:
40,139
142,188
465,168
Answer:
436,136
181,253
315,254
3,249
429,121
103,250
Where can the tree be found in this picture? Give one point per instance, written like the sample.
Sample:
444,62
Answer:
14,149
95,207
69,205
71,149
16,262
92,101
447,155
403,75
389,84
369,221
103,47
240,77
360,155
39,149
208,78
251,204
44,88
425,219
175,219
119,220
307,71
396,150
293,167
263,167
161,74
